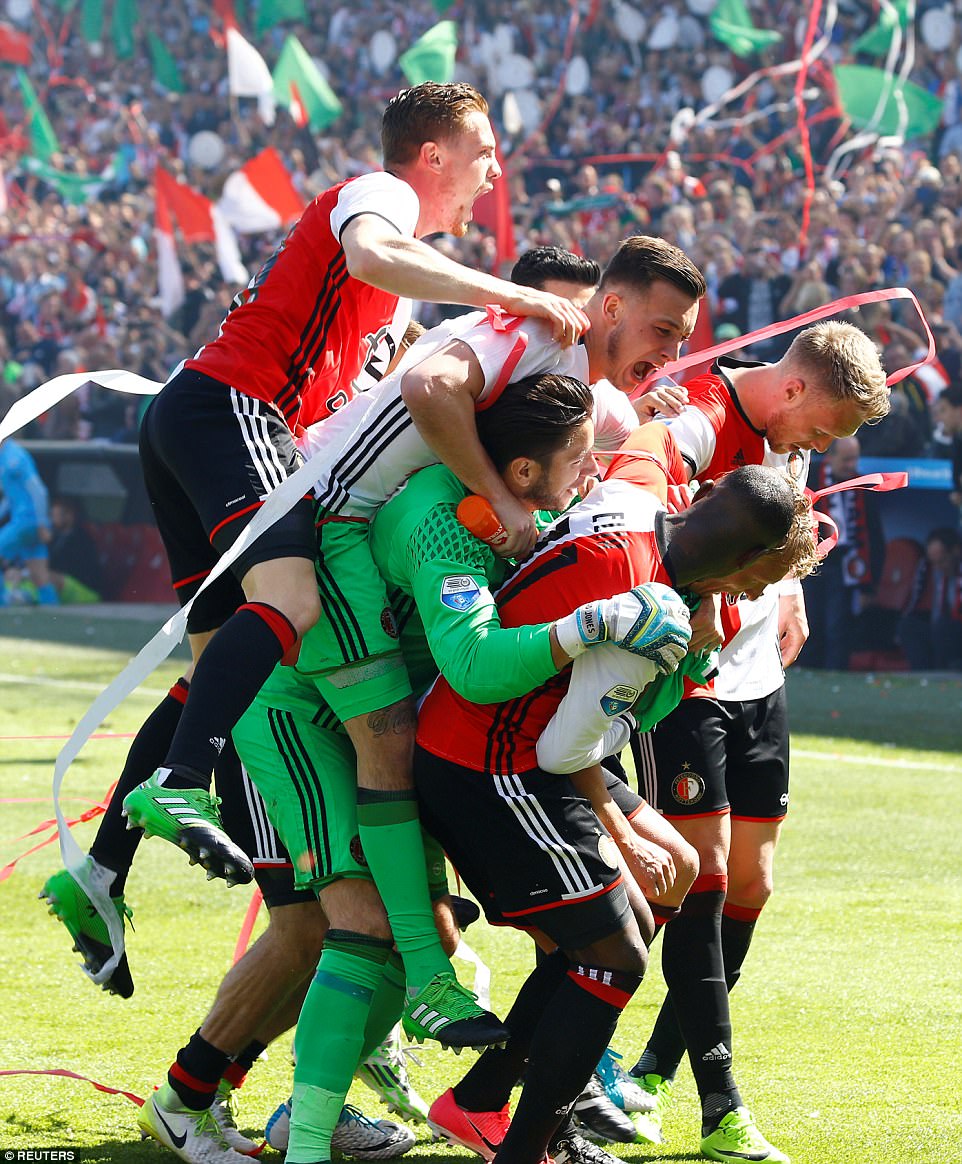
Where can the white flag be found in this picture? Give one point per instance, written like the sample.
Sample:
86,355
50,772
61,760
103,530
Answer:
248,74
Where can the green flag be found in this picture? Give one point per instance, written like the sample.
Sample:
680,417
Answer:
432,57
300,86
43,140
92,20
859,89
876,40
733,26
122,24
166,72
74,188
271,12
441,6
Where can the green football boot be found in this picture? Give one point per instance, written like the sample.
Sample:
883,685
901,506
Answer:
190,819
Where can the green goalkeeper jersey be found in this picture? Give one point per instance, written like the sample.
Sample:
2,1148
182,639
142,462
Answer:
425,554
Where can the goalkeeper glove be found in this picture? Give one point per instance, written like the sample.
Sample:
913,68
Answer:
650,620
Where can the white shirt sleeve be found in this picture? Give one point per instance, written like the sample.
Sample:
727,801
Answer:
381,194
694,436
614,416
524,350
594,719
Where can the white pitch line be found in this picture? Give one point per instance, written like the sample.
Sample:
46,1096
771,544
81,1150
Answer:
72,684
877,761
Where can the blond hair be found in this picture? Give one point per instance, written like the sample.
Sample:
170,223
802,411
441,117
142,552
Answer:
798,550
844,365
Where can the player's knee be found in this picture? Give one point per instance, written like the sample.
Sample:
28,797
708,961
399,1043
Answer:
624,950
299,940
303,610
752,892
355,904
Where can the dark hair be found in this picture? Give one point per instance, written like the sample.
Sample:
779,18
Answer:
949,537
539,264
766,497
425,112
533,417
642,260
951,395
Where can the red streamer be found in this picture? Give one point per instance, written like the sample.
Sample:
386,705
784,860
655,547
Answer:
64,1074
802,125
247,926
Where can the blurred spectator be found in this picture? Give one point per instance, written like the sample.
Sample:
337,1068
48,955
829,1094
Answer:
751,298
24,524
930,631
73,556
843,587
948,417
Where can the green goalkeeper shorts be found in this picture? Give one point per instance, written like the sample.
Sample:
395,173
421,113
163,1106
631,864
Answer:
307,776
352,654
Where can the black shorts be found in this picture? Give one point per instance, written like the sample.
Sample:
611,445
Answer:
210,455
713,756
245,819
528,847
616,781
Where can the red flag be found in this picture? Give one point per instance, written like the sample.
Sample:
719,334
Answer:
198,221
225,10
493,212
190,209
15,46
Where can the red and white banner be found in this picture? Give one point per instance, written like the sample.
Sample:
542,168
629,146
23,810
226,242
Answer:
260,196
198,220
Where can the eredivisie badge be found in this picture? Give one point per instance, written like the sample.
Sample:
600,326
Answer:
618,699
460,592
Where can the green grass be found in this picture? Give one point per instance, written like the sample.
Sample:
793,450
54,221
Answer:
848,1037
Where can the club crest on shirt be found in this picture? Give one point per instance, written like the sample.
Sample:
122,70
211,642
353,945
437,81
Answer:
687,787
459,592
618,699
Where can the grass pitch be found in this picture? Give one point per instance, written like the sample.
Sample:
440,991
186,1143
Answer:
848,1037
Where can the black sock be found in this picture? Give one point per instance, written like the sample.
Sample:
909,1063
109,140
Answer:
236,1072
737,931
487,1085
695,1013
230,672
114,845
196,1072
578,1022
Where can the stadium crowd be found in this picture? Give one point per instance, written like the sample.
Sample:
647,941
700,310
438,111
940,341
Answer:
78,283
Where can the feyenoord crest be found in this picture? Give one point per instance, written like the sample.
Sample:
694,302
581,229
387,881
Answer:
608,851
796,464
389,623
687,787
357,853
